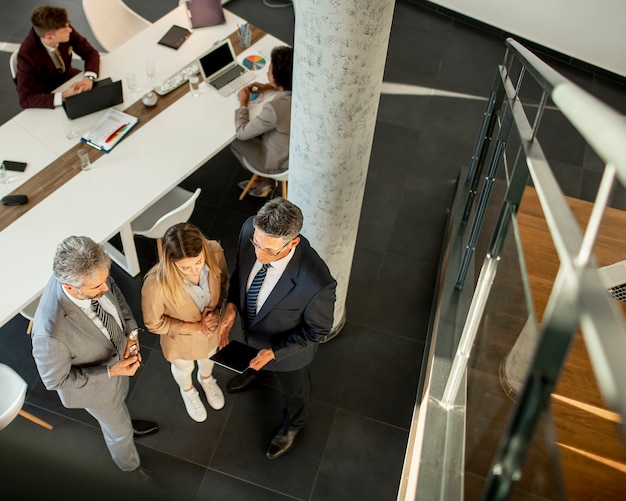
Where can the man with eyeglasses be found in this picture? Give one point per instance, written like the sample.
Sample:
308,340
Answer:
292,313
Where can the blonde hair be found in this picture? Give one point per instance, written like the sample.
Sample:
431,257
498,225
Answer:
181,241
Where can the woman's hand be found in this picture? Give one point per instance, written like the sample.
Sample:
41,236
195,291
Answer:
211,320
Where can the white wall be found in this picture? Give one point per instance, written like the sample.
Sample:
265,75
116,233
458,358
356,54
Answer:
592,31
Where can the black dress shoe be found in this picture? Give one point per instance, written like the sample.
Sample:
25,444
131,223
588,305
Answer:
281,443
142,428
242,381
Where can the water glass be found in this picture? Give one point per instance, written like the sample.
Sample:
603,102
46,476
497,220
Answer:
131,82
68,128
83,156
4,175
194,85
151,69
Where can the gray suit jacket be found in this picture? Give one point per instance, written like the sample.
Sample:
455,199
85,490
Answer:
297,314
264,140
72,354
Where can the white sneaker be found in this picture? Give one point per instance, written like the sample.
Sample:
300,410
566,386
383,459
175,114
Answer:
193,404
214,395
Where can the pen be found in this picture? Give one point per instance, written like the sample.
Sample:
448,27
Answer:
115,133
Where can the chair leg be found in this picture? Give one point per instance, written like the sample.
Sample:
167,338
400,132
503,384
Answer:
248,186
35,419
29,329
285,190
159,250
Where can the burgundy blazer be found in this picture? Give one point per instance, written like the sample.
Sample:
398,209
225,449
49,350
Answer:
37,76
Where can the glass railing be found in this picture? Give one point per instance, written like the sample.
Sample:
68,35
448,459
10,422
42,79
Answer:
525,389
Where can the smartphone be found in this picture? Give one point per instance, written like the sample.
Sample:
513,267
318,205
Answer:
13,165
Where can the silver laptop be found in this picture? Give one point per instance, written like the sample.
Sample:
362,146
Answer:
221,71
614,279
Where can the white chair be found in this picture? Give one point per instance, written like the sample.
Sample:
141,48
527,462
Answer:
174,207
113,22
13,66
281,176
12,395
29,313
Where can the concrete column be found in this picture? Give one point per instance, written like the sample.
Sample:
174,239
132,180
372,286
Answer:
340,48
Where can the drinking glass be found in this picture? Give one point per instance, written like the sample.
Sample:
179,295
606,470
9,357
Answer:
131,82
194,85
83,156
68,128
4,175
151,69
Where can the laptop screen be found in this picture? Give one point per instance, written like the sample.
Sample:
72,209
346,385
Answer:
216,59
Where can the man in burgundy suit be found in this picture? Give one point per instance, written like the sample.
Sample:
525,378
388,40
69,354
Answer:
44,60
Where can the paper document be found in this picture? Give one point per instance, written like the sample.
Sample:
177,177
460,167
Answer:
109,130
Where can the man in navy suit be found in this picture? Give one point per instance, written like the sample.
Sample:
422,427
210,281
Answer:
292,313
44,60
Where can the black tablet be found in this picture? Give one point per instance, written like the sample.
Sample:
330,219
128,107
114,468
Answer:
235,356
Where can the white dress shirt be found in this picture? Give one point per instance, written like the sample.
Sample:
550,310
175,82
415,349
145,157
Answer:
274,272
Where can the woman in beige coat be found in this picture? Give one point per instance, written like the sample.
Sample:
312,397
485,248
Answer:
181,300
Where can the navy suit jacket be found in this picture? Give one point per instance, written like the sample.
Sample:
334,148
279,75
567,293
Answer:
297,314
37,76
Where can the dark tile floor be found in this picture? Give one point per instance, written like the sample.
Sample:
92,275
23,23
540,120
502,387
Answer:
367,378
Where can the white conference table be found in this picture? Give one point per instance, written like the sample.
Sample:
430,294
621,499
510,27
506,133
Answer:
120,185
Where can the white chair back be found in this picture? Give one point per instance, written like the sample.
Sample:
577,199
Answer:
113,22
12,395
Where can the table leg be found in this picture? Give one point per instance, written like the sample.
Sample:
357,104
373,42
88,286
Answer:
128,259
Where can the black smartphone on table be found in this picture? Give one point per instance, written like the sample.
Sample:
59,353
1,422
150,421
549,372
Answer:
15,166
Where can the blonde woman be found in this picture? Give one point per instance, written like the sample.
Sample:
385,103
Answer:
181,300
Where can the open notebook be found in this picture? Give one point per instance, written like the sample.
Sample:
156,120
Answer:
109,130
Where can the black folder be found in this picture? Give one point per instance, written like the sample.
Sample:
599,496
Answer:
104,94
235,356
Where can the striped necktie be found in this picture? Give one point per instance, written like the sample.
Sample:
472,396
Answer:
253,293
110,324
61,66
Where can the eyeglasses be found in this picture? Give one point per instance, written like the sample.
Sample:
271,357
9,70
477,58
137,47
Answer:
271,252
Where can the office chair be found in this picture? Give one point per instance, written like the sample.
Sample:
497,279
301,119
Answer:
29,314
174,207
280,176
13,65
113,22
12,396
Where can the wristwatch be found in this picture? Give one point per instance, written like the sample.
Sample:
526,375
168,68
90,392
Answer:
91,77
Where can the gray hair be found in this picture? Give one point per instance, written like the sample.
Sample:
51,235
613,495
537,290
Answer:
279,218
78,258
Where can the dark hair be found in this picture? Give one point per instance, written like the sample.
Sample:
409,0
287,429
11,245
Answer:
46,18
282,66
279,218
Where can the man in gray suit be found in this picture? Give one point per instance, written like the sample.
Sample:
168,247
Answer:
82,347
285,296
264,140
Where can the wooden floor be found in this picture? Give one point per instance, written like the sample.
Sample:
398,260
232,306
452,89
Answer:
590,450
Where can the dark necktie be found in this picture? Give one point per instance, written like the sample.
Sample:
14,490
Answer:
110,324
253,293
61,66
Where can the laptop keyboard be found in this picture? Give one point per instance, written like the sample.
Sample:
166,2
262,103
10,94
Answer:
227,77
618,292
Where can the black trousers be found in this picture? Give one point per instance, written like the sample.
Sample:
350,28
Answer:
297,393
